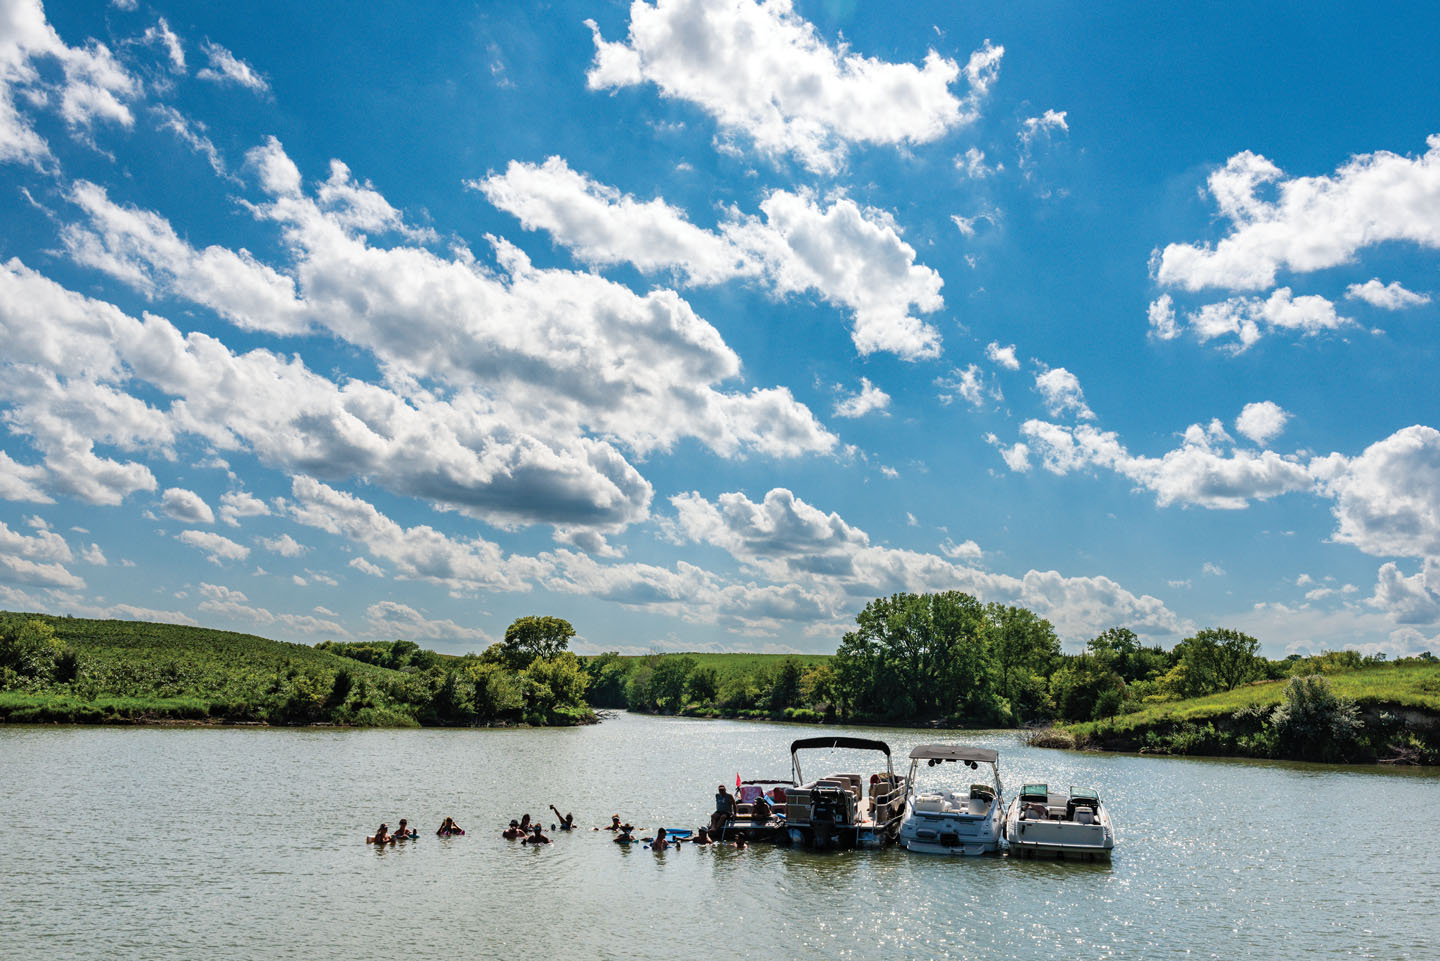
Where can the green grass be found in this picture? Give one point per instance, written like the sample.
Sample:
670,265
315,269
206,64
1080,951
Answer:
137,670
725,664
1409,685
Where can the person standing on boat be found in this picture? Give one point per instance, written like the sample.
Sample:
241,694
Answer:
724,809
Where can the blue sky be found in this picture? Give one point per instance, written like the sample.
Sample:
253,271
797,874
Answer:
703,324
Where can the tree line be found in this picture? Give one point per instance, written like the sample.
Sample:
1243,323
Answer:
948,657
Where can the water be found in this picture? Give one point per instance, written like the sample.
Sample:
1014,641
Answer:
199,843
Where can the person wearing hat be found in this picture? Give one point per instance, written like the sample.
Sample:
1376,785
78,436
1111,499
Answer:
625,836
513,831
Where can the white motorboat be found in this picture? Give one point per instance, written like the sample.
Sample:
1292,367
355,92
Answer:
1042,823
948,821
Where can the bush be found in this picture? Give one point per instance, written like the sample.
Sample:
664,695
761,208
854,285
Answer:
1314,723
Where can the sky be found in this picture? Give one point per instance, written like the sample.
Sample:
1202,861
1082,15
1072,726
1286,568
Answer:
702,324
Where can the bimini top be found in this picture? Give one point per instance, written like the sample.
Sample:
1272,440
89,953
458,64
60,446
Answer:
859,743
954,752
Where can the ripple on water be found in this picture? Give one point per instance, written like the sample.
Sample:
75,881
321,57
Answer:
248,843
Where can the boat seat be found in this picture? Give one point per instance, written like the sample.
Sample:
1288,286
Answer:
1084,816
979,805
930,803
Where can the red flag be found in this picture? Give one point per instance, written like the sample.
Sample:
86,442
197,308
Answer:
737,780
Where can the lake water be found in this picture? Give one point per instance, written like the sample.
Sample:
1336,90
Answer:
235,843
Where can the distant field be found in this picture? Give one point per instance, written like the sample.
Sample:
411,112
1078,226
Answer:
723,664
1413,686
140,671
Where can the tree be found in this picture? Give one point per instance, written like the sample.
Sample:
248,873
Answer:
31,651
667,683
1025,649
528,638
553,685
495,691
1085,688
702,686
1218,659
785,690
918,656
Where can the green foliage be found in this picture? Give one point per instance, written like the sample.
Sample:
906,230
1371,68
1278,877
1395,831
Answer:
553,685
29,651
1086,688
1217,659
127,671
529,638
1314,723
396,655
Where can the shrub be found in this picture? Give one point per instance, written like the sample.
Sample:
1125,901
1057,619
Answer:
1314,723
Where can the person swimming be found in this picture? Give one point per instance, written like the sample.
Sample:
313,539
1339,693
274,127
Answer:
513,831
403,833
702,836
537,838
449,828
614,823
381,836
659,844
626,834
567,822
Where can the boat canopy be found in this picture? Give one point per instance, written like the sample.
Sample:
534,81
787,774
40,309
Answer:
954,752
859,743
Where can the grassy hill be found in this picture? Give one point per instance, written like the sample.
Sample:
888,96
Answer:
1397,710
137,671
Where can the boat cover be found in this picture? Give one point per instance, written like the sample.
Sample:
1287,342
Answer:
859,743
954,752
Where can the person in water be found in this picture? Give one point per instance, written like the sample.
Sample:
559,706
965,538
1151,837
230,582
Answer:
626,834
525,823
381,836
448,828
702,835
567,823
659,844
740,844
614,823
404,833
724,808
537,838
513,831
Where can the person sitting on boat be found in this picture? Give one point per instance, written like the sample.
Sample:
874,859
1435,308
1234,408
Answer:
724,809
567,823
1035,811
625,836
538,837
381,836
448,828
659,844
760,810
513,831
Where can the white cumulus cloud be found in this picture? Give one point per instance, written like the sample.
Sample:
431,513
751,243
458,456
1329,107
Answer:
761,70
